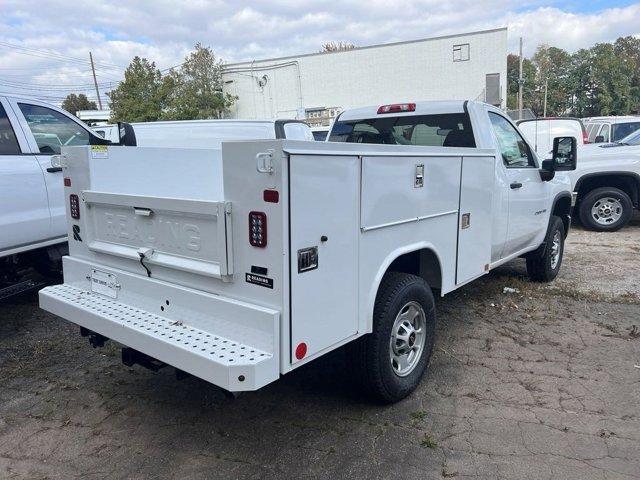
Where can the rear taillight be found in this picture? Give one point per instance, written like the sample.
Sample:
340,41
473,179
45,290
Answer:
74,204
585,137
258,229
397,108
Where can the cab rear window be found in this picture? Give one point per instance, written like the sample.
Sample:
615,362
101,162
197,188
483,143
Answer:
442,130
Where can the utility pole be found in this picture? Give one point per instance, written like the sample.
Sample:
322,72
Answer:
520,84
546,85
95,82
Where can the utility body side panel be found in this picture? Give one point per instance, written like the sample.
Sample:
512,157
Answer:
476,212
324,206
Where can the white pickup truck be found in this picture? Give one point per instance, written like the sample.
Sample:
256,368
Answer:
607,183
240,267
32,212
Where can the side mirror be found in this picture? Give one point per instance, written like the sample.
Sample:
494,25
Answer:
565,153
599,139
126,135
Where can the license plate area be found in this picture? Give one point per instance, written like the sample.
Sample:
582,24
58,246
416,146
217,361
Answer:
104,283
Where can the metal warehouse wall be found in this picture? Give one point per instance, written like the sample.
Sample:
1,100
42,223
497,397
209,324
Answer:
405,71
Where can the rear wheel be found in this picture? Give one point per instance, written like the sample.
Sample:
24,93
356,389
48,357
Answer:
390,361
605,209
544,266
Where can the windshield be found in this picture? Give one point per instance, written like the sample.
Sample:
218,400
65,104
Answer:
632,139
621,130
443,130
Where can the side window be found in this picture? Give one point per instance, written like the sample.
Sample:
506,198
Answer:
604,132
8,141
595,128
52,129
515,151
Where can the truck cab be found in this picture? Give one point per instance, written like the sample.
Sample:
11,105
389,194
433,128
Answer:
523,193
32,213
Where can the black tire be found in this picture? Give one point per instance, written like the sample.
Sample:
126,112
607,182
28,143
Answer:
540,264
599,195
371,354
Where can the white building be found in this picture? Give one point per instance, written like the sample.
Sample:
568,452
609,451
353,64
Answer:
316,86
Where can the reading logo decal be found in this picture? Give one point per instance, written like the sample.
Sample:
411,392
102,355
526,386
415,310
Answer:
259,280
76,233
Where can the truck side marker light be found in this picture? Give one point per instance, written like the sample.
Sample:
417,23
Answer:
271,196
301,350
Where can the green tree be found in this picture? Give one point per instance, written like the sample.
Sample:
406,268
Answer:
528,74
141,96
553,76
73,103
628,49
195,90
605,87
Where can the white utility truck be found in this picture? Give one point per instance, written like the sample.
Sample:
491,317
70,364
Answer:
238,268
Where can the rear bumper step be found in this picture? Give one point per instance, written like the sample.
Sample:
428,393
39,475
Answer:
226,362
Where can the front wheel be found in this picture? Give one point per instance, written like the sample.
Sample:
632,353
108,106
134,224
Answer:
605,209
544,266
390,362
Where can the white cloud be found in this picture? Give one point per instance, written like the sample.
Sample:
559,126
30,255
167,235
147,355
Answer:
164,31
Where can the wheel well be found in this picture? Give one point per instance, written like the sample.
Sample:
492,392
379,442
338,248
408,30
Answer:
562,209
423,263
626,183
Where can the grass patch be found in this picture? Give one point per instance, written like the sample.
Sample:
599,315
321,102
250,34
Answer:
428,442
419,415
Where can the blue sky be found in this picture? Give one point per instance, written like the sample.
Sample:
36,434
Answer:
165,31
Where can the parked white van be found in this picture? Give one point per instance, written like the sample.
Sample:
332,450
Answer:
540,132
209,133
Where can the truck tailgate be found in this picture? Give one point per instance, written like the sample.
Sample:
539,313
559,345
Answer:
189,235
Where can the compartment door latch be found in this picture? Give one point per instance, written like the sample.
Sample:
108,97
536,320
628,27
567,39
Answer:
264,162
419,182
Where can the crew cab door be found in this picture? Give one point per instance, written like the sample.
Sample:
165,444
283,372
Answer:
47,130
24,211
526,191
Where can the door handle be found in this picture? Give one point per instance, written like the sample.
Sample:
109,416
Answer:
54,169
515,185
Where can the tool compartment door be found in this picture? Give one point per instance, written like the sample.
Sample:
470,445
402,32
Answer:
324,202
475,217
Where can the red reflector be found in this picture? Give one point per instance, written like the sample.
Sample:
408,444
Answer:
74,206
258,229
67,182
397,108
301,350
271,196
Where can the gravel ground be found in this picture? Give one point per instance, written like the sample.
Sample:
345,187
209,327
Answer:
539,384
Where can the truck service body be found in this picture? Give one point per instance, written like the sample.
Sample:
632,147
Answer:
241,268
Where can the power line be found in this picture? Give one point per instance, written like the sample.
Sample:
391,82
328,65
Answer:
51,54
